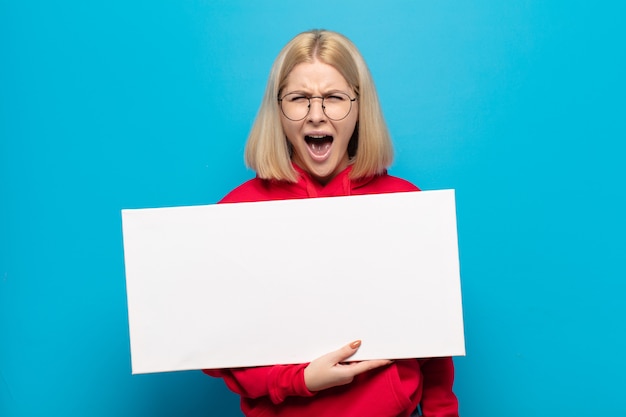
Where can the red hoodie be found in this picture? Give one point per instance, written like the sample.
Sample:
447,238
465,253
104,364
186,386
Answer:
390,391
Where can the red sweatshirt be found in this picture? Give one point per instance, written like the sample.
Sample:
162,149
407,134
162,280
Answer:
390,391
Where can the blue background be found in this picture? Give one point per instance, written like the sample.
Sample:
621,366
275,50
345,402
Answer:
518,105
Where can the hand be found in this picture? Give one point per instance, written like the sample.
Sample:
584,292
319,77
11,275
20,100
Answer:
330,370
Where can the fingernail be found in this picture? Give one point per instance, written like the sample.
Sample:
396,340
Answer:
355,344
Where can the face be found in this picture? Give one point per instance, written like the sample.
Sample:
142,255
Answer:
320,145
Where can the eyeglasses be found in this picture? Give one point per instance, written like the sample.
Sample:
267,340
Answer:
296,106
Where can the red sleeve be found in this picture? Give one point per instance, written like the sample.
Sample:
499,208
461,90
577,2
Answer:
278,382
438,400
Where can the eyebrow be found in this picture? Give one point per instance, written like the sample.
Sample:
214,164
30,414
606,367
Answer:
328,92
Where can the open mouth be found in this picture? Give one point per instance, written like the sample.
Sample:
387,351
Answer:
319,145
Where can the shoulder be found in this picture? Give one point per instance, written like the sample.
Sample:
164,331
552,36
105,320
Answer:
399,184
384,183
251,190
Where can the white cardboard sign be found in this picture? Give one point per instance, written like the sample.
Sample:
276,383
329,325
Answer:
250,284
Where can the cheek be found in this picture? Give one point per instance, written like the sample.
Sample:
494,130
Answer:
349,128
288,128
352,119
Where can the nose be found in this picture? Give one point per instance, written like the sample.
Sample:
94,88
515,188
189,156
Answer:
316,111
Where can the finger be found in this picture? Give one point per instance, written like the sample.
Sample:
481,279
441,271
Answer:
345,352
357,368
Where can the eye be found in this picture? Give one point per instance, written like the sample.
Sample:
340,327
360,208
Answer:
337,97
296,98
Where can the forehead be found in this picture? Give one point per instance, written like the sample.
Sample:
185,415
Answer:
315,76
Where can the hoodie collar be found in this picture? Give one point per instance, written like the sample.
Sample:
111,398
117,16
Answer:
340,185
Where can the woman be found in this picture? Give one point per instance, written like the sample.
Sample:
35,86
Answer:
320,133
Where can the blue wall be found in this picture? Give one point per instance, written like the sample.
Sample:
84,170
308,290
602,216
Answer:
519,105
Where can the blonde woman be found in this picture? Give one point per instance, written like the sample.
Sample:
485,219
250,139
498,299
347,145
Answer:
320,133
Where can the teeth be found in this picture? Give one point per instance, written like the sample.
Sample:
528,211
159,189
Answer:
317,136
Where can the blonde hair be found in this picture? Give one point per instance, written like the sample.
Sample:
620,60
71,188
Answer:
370,149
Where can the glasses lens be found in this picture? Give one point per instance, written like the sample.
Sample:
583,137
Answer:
295,106
336,106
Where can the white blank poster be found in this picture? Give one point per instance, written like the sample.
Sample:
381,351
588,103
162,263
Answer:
280,282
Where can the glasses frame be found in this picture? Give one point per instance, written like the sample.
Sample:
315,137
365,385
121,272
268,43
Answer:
352,100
